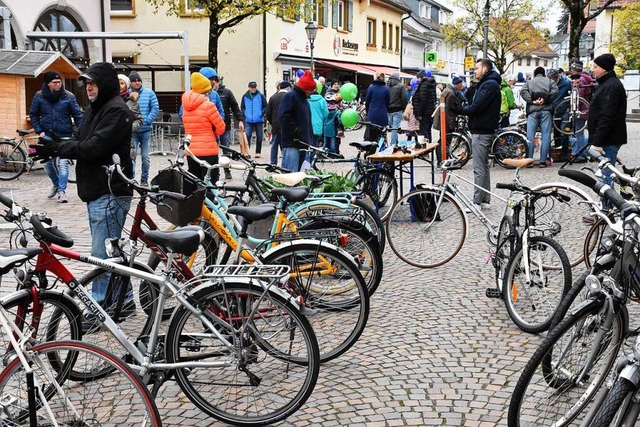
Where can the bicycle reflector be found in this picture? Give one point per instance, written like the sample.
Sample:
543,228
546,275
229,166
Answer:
343,239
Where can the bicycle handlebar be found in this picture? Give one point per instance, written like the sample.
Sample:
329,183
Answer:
237,156
155,193
605,163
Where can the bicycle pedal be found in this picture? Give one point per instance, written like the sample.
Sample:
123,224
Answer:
493,293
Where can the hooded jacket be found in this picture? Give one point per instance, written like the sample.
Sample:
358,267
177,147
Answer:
484,111
425,99
508,100
397,94
54,116
452,104
377,103
319,113
105,130
271,114
203,122
608,112
229,105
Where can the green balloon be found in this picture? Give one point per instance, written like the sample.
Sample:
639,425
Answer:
349,117
319,87
348,92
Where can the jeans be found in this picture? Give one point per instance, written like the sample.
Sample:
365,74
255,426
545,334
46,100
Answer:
330,143
394,121
480,146
107,215
425,127
141,140
317,141
291,159
225,138
542,120
275,146
58,179
258,127
581,141
611,153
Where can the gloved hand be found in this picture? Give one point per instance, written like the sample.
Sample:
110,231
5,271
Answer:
44,150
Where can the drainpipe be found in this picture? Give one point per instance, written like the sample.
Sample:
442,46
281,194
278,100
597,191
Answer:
103,29
264,53
402,38
5,13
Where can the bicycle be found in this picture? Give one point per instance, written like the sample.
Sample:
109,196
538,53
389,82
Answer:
234,320
37,391
567,371
575,108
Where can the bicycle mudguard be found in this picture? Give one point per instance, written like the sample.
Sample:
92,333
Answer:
23,293
586,305
566,185
284,246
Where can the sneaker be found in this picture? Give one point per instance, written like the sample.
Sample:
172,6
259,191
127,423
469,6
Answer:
257,156
588,219
549,163
52,192
62,197
227,174
144,183
485,206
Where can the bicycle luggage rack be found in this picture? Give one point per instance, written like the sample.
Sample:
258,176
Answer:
251,271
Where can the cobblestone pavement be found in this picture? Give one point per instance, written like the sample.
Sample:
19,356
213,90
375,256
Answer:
435,351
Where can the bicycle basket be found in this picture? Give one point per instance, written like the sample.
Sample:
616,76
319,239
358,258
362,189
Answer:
182,212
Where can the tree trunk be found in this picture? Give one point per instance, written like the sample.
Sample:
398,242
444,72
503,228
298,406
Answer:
577,22
214,33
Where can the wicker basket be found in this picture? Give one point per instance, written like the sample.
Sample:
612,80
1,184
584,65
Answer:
183,212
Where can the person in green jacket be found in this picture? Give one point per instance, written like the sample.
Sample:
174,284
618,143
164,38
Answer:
508,103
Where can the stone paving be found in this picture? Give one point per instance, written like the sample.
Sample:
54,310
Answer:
435,351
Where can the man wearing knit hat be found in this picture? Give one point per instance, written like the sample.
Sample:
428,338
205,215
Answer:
295,121
607,112
149,107
51,112
585,83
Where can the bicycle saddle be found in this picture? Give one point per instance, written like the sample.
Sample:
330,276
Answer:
182,240
289,179
10,258
518,163
253,213
24,132
292,195
364,145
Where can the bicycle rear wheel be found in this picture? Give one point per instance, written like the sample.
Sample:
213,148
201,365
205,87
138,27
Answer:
551,389
115,400
423,234
381,187
508,145
458,147
13,160
531,306
271,367
568,123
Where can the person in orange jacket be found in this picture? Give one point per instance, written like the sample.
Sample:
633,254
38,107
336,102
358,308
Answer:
202,121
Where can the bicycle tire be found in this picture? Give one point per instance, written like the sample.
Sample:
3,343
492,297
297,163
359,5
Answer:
13,160
551,280
381,188
592,240
437,241
329,285
621,391
72,170
127,398
563,220
568,127
504,249
458,147
508,145
542,372
360,243
225,393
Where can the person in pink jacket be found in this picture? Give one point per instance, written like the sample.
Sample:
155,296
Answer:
203,122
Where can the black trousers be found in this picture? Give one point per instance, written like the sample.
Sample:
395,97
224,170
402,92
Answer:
200,172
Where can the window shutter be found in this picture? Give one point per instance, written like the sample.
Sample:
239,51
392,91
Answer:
334,18
325,13
349,6
308,10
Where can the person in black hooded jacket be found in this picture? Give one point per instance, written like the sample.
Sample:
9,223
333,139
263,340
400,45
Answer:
105,130
424,102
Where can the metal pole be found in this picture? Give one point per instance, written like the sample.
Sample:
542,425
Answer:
485,41
187,75
312,58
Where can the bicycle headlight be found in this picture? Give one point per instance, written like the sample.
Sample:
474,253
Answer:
593,283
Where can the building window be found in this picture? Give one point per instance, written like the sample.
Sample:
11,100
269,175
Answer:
424,10
384,35
528,62
321,18
390,37
122,7
77,50
397,39
371,32
341,15
537,62
545,62
519,61
193,6
435,14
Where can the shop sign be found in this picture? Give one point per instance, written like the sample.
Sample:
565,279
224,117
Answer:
344,46
291,45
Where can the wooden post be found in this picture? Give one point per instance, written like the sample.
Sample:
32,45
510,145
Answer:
443,133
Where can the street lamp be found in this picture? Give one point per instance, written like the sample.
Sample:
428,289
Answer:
585,45
312,32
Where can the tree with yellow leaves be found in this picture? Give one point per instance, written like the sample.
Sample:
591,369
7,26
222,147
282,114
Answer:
626,33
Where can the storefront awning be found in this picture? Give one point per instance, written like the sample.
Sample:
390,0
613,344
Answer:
349,66
388,71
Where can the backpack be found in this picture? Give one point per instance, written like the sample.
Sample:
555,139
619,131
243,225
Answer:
423,207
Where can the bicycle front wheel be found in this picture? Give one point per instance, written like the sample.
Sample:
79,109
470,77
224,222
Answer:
458,147
13,160
381,187
532,300
569,123
618,398
509,145
115,400
423,233
559,381
270,367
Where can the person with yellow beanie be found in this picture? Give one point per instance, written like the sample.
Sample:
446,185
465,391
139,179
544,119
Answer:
203,122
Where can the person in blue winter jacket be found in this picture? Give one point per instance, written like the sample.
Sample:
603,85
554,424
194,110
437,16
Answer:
51,112
254,106
377,105
319,114
149,108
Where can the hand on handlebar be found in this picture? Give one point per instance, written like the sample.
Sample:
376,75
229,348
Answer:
44,150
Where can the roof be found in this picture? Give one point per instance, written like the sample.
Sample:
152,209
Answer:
32,63
616,4
397,4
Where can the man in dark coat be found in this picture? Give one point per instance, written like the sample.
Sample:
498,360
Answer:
272,117
484,115
105,130
398,99
608,111
424,102
229,105
295,121
377,106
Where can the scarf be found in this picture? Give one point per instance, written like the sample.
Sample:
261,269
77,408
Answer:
125,94
52,96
